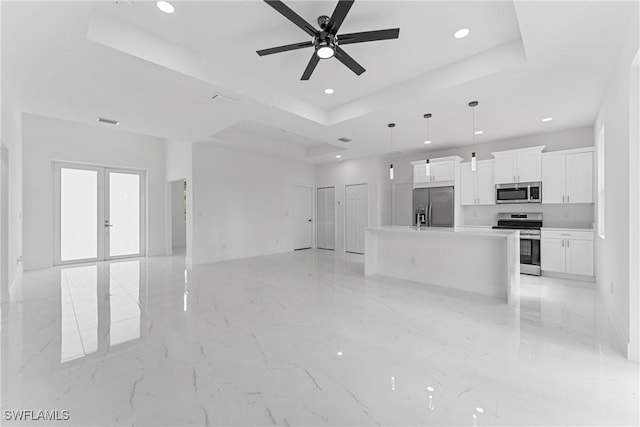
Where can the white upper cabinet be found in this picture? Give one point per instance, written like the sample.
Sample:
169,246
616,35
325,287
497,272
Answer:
477,187
522,165
441,170
567,176
579,178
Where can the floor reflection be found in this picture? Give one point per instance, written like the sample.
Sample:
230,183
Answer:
100,307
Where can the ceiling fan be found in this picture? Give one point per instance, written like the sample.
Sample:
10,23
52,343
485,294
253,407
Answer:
326,42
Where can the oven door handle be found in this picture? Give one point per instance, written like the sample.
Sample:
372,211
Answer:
525,237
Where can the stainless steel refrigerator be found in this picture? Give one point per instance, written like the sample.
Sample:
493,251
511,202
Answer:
433,206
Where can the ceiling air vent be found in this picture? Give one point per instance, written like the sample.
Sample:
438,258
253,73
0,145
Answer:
218,97
345,139
108,121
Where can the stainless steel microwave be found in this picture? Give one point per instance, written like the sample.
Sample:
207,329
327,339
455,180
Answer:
523,192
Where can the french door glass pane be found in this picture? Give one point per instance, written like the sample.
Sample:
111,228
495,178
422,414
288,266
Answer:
79,210
124,214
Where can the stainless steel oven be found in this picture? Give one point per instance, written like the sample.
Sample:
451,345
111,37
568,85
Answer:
524,192
529,225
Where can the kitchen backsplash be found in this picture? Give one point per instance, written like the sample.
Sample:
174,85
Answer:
568,215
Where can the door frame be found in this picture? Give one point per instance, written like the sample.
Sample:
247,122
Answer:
103,195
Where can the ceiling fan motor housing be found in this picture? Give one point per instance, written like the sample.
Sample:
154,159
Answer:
325,39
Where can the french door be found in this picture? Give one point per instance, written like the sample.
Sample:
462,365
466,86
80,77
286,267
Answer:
99,213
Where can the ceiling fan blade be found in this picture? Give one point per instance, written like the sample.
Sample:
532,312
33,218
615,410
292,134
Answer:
284,48
347,60
313,62
369,36
285,11
339,13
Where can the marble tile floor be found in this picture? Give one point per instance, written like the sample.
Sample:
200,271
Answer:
304,339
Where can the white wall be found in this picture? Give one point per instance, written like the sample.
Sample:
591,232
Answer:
178,223
614,264
178,166
373,171
47,140
11,133
242,203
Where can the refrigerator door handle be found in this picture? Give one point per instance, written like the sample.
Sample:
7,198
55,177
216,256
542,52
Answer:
430,215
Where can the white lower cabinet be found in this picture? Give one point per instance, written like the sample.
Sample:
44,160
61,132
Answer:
567,251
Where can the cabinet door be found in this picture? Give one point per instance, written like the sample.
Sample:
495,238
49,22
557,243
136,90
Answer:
580,178
467,185
485,183
553,178
504,169
552,255
420,174
529,167
580,257
442,171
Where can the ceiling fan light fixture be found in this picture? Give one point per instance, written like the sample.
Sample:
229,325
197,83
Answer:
325,51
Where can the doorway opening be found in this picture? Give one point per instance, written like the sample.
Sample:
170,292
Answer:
99,213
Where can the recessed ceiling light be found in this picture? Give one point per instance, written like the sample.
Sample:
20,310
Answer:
428,141
461,33
339,353
338,156
547,119
479,132
165,6
329,91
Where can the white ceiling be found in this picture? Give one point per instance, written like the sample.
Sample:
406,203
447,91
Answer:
156,73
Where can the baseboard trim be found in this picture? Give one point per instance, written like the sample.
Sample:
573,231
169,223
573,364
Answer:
633,351
586,281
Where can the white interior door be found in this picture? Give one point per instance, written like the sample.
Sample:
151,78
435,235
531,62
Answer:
402,203
302,217
99,213
326,218
357,217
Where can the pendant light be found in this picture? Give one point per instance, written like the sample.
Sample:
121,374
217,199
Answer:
427,169
391,126
473,105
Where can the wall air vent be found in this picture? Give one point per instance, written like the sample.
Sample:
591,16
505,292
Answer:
108,121
345,139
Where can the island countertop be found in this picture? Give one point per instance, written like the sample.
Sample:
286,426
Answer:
472,259
454,231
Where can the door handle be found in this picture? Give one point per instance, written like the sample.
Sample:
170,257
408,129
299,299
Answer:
562,199
567,198
106,224
567,243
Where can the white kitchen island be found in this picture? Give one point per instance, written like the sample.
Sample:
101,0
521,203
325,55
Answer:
478,260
